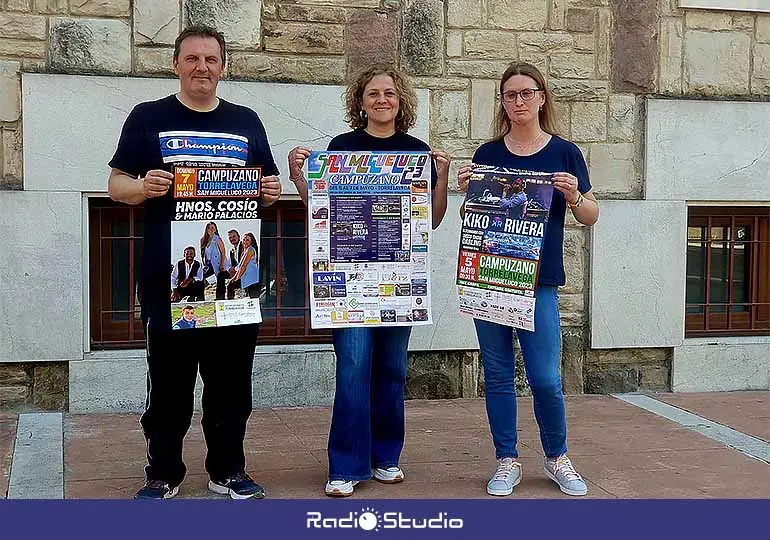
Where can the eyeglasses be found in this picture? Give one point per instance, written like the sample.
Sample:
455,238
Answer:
528,94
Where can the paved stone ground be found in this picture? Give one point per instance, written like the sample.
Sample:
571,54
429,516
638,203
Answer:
748,412
622,451
7,438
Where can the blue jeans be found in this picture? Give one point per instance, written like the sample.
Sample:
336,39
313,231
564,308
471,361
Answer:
367,427
541,352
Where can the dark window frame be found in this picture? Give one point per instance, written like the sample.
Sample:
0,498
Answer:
107,330
709,318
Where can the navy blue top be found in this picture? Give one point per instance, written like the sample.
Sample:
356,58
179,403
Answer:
558,155
164,133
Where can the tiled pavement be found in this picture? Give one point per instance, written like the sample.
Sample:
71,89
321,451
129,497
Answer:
622,451
7,438
748,412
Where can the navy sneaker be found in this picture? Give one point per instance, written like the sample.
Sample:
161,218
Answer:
238,486
156,489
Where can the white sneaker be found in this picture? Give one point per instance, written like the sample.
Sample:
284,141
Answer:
391,475
561,471
506,477
340,488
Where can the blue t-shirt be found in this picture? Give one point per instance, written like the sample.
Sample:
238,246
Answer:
557,156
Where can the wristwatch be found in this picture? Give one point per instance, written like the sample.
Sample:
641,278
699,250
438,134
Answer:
578,202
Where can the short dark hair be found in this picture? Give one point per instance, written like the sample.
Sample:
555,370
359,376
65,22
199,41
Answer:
188,307
189,247
201,30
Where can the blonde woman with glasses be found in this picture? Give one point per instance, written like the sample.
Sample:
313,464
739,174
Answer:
525,138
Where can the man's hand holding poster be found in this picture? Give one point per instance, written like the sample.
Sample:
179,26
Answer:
369,222
506,213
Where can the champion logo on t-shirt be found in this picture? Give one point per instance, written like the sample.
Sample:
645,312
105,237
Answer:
184,146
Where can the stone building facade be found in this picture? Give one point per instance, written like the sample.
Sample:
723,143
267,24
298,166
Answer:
631,80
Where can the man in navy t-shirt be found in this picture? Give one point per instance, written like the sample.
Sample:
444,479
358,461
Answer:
191,128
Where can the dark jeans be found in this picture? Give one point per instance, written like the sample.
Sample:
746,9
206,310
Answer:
367,427
224,357
194,291
231,286
253,290
221,280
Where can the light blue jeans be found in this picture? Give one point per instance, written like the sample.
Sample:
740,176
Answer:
541,351
367,428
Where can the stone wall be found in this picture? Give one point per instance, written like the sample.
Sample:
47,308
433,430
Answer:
602,58
39,385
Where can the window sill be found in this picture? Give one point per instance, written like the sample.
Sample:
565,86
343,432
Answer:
290,349
728,340
261,350
115,354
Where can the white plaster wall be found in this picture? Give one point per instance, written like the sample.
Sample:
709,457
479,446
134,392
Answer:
109,382
638,261
115,381
282,375
721,364
697,150
449,330
69,140
289,376
741,5
41,292
707,151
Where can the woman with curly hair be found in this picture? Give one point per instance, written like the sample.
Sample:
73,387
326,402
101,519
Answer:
367,429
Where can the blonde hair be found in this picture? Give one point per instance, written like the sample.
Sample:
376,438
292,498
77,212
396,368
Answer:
407,98
501,124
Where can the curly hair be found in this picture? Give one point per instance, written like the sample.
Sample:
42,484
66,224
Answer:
501,124
407,98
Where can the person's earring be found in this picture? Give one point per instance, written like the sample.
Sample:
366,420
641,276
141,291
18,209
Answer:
362,115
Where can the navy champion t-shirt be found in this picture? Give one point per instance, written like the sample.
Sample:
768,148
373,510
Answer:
164,133
558,155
